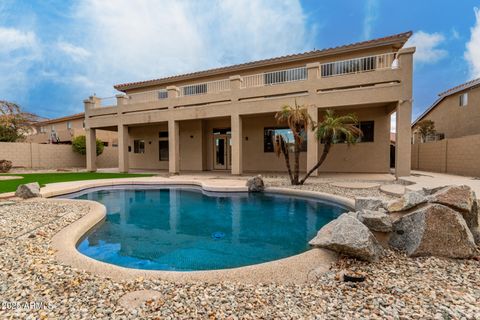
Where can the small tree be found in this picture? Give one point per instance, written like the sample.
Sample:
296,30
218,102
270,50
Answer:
425,128
79,145
332,129
14,123
298,120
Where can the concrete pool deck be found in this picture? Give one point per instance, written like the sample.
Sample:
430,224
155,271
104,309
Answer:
294,269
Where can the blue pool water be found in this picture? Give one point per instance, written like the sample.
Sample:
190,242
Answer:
182,228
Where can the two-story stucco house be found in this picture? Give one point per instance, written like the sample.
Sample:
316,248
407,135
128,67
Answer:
63,130
456,112
223,119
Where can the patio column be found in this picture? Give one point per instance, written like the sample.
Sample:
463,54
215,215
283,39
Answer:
237,141
173,147
123,148
91,146
312,143
403,147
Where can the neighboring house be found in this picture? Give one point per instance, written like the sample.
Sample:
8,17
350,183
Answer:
223,119
63,130
456,113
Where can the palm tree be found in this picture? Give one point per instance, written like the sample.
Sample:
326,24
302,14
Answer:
331,130
298,120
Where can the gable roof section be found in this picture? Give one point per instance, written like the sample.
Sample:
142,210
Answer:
464,86
66,118
397,40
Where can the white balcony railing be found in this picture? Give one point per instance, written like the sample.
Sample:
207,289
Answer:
363,64
148,96
274,77
206,87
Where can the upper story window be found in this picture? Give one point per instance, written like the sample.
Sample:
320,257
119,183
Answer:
463,100
195,89
69,124
43,129
162,94
83,124
53,128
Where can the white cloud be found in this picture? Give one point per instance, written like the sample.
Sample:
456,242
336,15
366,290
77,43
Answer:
427,45
371,15
139,40
19,51
13,39
75,53
472,53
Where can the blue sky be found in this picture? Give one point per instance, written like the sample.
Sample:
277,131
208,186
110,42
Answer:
54,54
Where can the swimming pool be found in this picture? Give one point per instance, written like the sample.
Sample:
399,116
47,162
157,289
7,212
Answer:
186,229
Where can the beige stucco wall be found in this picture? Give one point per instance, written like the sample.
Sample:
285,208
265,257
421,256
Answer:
455,121
197,151
34,155
456,156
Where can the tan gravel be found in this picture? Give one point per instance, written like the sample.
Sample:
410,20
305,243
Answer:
33,285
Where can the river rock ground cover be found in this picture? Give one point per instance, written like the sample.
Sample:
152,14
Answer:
33,285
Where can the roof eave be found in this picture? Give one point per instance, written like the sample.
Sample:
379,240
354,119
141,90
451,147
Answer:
399,41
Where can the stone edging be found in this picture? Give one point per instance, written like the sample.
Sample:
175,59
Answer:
294,269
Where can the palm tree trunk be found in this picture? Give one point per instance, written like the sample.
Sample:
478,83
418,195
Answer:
287,163
326,150
297,162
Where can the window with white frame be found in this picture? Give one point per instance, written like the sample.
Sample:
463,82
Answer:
69,124
463,100
138,146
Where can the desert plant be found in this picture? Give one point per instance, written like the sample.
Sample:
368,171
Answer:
331,130
79,145
298,120
425,128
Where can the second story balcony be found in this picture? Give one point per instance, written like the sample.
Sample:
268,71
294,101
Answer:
312,77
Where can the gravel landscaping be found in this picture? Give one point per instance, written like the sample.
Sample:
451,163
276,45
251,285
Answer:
323,185
33,285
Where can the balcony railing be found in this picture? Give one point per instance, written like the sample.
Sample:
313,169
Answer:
275,77
377,62
206,87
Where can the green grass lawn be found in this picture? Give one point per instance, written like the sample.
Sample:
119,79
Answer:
44,178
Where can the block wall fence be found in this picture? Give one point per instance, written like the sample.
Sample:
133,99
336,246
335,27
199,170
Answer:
456,156
52,156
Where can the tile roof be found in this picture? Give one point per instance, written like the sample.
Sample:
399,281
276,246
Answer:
398,39
461,87
447,93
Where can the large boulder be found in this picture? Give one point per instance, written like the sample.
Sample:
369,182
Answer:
375,220
5,166
255,184
407,201
347,235
433,230
368,203
462,199
29,190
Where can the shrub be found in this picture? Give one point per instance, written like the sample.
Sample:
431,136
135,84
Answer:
79,145
5,166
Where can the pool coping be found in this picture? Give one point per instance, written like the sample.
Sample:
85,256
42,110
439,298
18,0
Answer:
294,269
